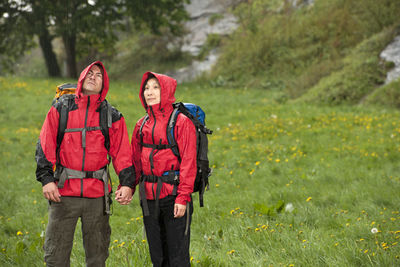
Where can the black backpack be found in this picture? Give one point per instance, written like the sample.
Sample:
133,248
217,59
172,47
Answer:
197,116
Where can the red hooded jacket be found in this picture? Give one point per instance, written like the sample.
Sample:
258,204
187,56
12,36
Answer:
155,132
93,157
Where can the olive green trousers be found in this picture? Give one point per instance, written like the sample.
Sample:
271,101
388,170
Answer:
96,231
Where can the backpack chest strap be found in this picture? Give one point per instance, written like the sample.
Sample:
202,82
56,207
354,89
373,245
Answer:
159,147
83,130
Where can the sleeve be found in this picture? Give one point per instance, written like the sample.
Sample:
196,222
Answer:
46,148
186,141
120,152
136,150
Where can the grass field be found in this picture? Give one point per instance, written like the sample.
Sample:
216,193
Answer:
293,184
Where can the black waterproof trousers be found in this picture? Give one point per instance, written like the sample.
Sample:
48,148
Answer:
169,246
96,231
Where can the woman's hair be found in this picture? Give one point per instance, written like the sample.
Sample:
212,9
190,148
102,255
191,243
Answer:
150,76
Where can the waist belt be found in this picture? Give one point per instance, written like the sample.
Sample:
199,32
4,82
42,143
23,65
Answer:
62,174
170,177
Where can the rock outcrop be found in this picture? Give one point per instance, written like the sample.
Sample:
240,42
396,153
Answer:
392,53
206,17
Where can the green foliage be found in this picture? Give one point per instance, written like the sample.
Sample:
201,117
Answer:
213,41
85,29
299,47
360,75
214,18
388,95
140,52
269,210
337,166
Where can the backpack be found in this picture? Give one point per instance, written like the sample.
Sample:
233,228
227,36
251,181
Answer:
64,101
197,116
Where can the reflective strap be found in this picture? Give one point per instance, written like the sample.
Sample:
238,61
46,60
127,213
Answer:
102,174
66,173
70,130
83,130
63,177
106,193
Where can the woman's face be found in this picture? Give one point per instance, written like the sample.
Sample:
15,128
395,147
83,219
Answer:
152,92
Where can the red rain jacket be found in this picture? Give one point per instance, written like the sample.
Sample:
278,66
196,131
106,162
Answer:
155,132
94,156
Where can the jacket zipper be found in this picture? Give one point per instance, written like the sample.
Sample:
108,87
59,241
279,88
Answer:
84,148
152,151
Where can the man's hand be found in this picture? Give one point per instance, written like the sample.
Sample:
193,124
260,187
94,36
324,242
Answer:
50,192
123,195
179,210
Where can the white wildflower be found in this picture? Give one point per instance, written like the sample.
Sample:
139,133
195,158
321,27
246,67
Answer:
289,207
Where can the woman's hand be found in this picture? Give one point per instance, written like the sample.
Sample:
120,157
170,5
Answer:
179,210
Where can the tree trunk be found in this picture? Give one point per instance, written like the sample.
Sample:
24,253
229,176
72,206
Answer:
69,44
49,56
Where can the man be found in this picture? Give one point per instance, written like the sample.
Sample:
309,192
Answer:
79,187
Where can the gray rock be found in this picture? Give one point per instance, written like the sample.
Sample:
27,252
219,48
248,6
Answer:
392,53
198,28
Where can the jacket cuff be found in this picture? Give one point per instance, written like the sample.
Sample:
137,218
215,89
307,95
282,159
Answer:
47,180
132,188
182,199
127,177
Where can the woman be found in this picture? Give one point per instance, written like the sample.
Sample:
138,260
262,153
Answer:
166,181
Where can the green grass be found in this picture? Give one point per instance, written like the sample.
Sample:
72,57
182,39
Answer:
337,166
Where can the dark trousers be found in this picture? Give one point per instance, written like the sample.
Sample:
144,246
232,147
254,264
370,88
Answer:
169,246
96,231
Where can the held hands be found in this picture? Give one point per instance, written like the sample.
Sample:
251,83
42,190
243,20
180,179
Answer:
50,192
123,195
179,210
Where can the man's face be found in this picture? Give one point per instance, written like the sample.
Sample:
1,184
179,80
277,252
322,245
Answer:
93,82
152,92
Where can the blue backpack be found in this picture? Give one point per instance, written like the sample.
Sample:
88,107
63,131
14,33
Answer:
197,116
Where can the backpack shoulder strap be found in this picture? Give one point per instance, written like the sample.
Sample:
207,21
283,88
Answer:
145,118
63,106
105,119
170,130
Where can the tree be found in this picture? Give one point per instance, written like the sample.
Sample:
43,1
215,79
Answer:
82,26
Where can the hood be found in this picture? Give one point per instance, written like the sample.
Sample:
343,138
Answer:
168,87
82,77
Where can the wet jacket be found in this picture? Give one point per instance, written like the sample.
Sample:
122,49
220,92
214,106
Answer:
149,161
85,112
